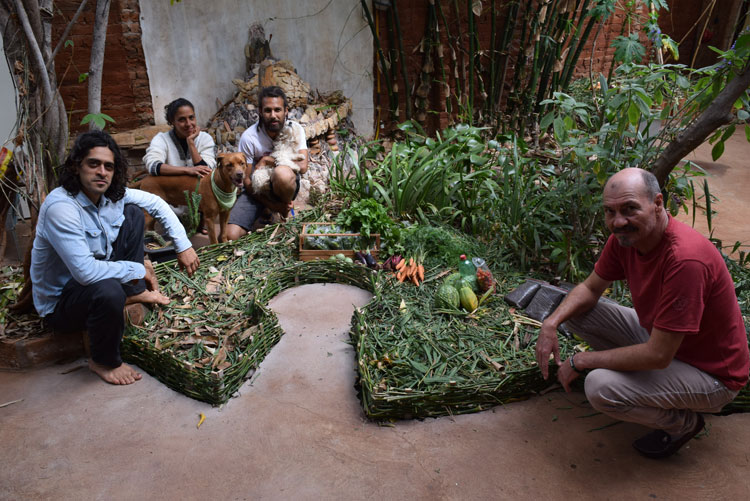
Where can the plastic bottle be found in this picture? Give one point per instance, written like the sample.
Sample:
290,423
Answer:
468,272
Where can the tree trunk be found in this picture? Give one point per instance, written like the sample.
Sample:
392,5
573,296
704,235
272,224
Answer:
718,113
97,59
41,120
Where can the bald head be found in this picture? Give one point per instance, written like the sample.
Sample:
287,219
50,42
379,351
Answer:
284,182
634,180
634,210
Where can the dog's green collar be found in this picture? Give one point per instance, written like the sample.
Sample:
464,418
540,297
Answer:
225,200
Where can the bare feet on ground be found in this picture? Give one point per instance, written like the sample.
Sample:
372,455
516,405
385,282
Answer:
148,297
124,374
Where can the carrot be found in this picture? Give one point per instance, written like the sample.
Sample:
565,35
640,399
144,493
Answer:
415,280
411,261
420,270
401,264
401,276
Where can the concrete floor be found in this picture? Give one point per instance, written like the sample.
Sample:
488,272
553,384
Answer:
297,430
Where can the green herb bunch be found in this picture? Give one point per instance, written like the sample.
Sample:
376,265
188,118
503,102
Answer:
367,217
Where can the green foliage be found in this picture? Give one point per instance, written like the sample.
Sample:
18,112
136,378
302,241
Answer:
449,178
628,49
99,119
440,244
193,200
367,216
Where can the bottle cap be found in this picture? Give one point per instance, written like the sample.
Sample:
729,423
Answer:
462,257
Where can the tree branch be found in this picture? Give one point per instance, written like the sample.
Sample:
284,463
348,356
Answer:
97,59
36,53
67,29
718,113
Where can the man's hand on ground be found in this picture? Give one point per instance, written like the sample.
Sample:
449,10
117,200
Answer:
547,343
152,283
188,261
566,375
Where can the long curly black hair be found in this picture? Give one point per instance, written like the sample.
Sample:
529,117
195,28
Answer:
68,172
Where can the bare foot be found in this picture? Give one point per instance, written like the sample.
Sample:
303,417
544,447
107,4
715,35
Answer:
124,374
148,297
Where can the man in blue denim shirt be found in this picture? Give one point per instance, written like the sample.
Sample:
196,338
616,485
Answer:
87,261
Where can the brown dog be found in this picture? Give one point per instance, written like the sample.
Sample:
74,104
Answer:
228,175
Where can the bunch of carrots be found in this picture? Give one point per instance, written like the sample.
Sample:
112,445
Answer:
413,271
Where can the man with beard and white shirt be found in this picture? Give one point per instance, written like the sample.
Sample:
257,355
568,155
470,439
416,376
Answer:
257,143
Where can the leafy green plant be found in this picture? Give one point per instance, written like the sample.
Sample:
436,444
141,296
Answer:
441,245
193,216
99,119
448,178
367,216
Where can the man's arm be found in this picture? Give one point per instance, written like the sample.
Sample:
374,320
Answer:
581,299
655,354
66,235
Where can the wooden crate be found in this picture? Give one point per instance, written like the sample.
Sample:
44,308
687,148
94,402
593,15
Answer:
308,231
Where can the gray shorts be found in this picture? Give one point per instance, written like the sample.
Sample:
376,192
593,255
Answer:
245,211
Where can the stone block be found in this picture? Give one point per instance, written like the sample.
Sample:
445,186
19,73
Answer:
40,351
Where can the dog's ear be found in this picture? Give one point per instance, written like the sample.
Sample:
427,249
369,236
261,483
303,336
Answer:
220,158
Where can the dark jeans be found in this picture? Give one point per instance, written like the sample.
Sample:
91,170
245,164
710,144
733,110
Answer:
98,307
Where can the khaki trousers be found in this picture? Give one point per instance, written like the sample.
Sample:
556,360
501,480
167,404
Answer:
667,399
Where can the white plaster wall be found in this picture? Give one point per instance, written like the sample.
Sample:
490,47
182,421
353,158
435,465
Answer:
194,49
7,102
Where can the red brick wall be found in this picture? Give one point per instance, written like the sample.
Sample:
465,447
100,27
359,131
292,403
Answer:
126,96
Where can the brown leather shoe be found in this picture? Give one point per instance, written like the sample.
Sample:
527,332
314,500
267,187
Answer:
135,313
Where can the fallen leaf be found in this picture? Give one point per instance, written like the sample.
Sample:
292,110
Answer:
220,357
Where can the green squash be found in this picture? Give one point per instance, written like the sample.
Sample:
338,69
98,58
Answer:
447,297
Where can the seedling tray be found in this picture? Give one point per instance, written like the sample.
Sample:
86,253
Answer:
348,248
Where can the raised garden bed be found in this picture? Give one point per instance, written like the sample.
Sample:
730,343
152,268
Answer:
412,362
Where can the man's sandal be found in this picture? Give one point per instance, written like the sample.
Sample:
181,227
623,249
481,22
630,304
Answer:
659,444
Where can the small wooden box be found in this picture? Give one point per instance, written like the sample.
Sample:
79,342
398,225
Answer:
309,231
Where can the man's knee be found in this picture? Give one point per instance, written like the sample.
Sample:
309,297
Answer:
134,216
108,296
601,391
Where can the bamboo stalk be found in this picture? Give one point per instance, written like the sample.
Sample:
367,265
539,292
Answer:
404,72
472,56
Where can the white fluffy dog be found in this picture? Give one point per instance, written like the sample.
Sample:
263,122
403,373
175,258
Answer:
284,153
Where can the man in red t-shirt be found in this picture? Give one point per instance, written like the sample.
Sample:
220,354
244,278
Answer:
682,350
